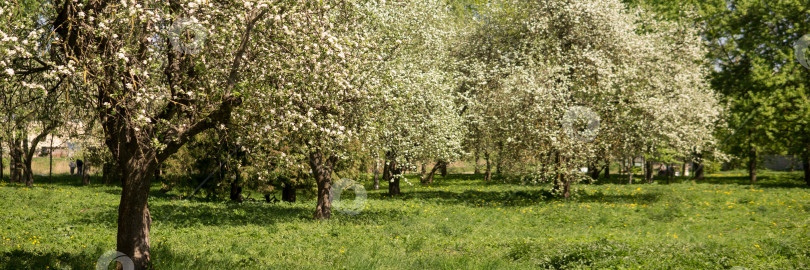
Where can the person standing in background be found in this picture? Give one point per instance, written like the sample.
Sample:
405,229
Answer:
79,167
72,166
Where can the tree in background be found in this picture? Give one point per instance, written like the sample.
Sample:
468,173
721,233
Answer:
753,62
538,85
31,90
420,122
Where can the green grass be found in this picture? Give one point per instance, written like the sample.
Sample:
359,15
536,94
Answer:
459,222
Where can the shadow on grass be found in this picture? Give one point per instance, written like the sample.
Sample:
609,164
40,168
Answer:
223,214
20,259
764,180
476,198
58,180
767,179
162,258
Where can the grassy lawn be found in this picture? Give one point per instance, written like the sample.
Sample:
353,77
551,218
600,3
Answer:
460,222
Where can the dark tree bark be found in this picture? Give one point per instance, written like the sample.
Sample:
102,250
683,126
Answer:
386,172
624,166
683,169
376,174
15,156
393,175
562,178
443,169
566,187
593,169
85,174
488,173
134,219
670,173
648,171
288,193
630,171
752,164
699,167
607,169
433,172
2,169
322,167
236,188
27,173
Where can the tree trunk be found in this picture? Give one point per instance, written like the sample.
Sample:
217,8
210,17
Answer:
16,164
28,173
699,167
630,171
670,173
433,172
386,172
566,187
624,166
752,164
376,174
443,169
562,179
322,167
648,171
393,174
1,161
683,169
85,174
593,169
13,165
477,169
134,219
488,173
422,173
27,156
236,189
288,193
607,169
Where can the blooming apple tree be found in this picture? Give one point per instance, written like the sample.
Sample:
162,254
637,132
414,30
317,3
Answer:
559,83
